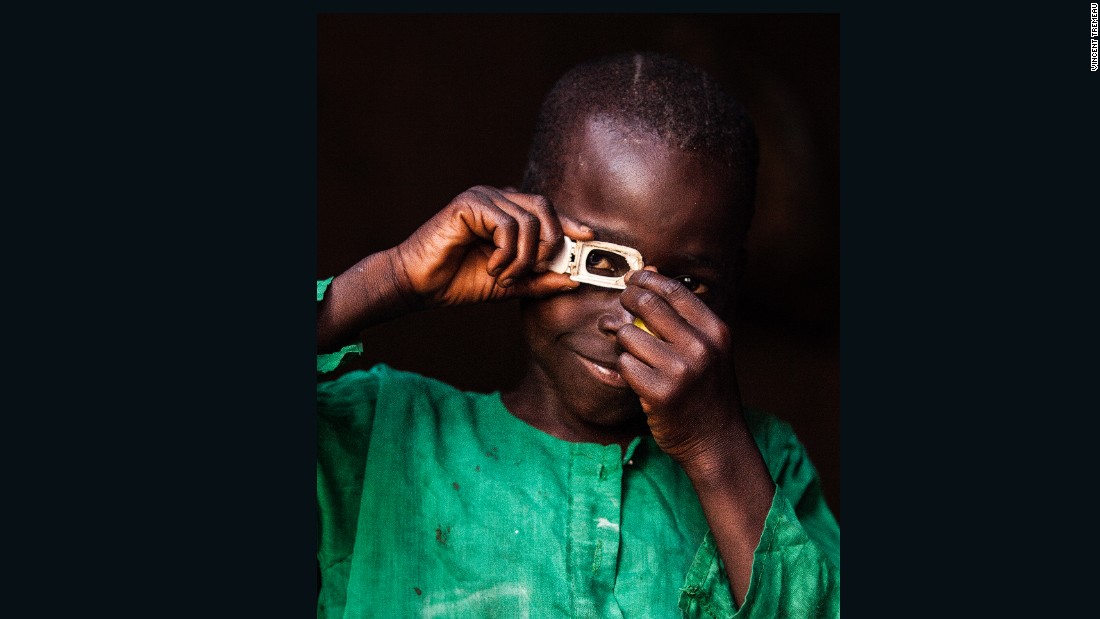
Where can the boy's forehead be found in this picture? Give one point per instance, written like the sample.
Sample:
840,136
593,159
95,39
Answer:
612,232
613,171
637,191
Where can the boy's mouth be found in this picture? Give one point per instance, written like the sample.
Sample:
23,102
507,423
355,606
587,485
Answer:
605,373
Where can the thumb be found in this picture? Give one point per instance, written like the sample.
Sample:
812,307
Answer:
576,230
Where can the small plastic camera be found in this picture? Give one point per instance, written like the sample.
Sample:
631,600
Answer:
597,263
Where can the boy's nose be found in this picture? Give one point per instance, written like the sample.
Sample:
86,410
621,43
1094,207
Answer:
613,315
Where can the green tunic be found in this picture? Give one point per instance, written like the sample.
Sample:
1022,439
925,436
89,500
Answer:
435,502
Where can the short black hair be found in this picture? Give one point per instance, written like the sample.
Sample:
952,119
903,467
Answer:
649,91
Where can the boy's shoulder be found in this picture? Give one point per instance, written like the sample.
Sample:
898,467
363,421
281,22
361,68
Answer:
762,422
774,436
405,407
383,387
383,377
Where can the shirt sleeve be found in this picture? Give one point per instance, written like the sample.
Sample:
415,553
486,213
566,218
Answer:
796,566
346,411
330,361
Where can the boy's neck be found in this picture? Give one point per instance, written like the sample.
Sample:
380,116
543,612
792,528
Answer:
536,403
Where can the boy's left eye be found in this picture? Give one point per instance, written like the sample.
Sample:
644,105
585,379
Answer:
693,284
606,264
599,263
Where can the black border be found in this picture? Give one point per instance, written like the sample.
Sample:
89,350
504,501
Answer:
162,464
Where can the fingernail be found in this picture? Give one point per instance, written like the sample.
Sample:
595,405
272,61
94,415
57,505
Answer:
578,224
506,282
493,272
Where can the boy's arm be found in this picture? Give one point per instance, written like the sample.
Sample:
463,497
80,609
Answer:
366,294
682,374
796,566
486,245
736,493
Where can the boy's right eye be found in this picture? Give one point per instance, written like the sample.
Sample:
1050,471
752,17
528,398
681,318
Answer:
694,284
606,264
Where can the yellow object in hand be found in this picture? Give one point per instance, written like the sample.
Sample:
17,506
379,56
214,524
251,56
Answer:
641,325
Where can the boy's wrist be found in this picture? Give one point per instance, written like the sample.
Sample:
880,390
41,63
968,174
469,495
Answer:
398,284
368,293
720,456
710,463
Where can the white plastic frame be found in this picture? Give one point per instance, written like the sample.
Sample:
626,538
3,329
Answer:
574,254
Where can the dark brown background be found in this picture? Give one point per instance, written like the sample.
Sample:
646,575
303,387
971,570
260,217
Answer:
413,109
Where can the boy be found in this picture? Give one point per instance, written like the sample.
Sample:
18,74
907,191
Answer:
621,476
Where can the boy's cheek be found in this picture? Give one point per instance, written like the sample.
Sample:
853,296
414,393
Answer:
720,301
560,311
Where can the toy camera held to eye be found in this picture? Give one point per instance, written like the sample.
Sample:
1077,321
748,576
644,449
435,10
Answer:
597,263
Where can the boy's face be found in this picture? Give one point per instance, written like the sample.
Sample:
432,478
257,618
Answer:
677,210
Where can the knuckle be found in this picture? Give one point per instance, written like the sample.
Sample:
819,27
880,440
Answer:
671,390
527,220
680,370
671,287
509,225
700,352
662,391
625,362
460,201
645,299
540,202
470,195
548,239
723,337
525,257
505,246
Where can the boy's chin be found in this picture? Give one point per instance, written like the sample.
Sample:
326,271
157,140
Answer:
619,416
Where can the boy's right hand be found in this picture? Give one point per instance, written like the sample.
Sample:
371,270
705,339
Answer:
488,244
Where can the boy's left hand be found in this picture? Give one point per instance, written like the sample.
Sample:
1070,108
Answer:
683,372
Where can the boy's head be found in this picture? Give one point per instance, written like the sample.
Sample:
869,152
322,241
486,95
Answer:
648,152
653,94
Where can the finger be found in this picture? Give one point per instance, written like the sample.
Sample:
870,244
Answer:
550,231
573,230
510,228
660,317
645,381
646,348
543,285
527,237
673,363
485,220
677,311
663,371
576,230
665,358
